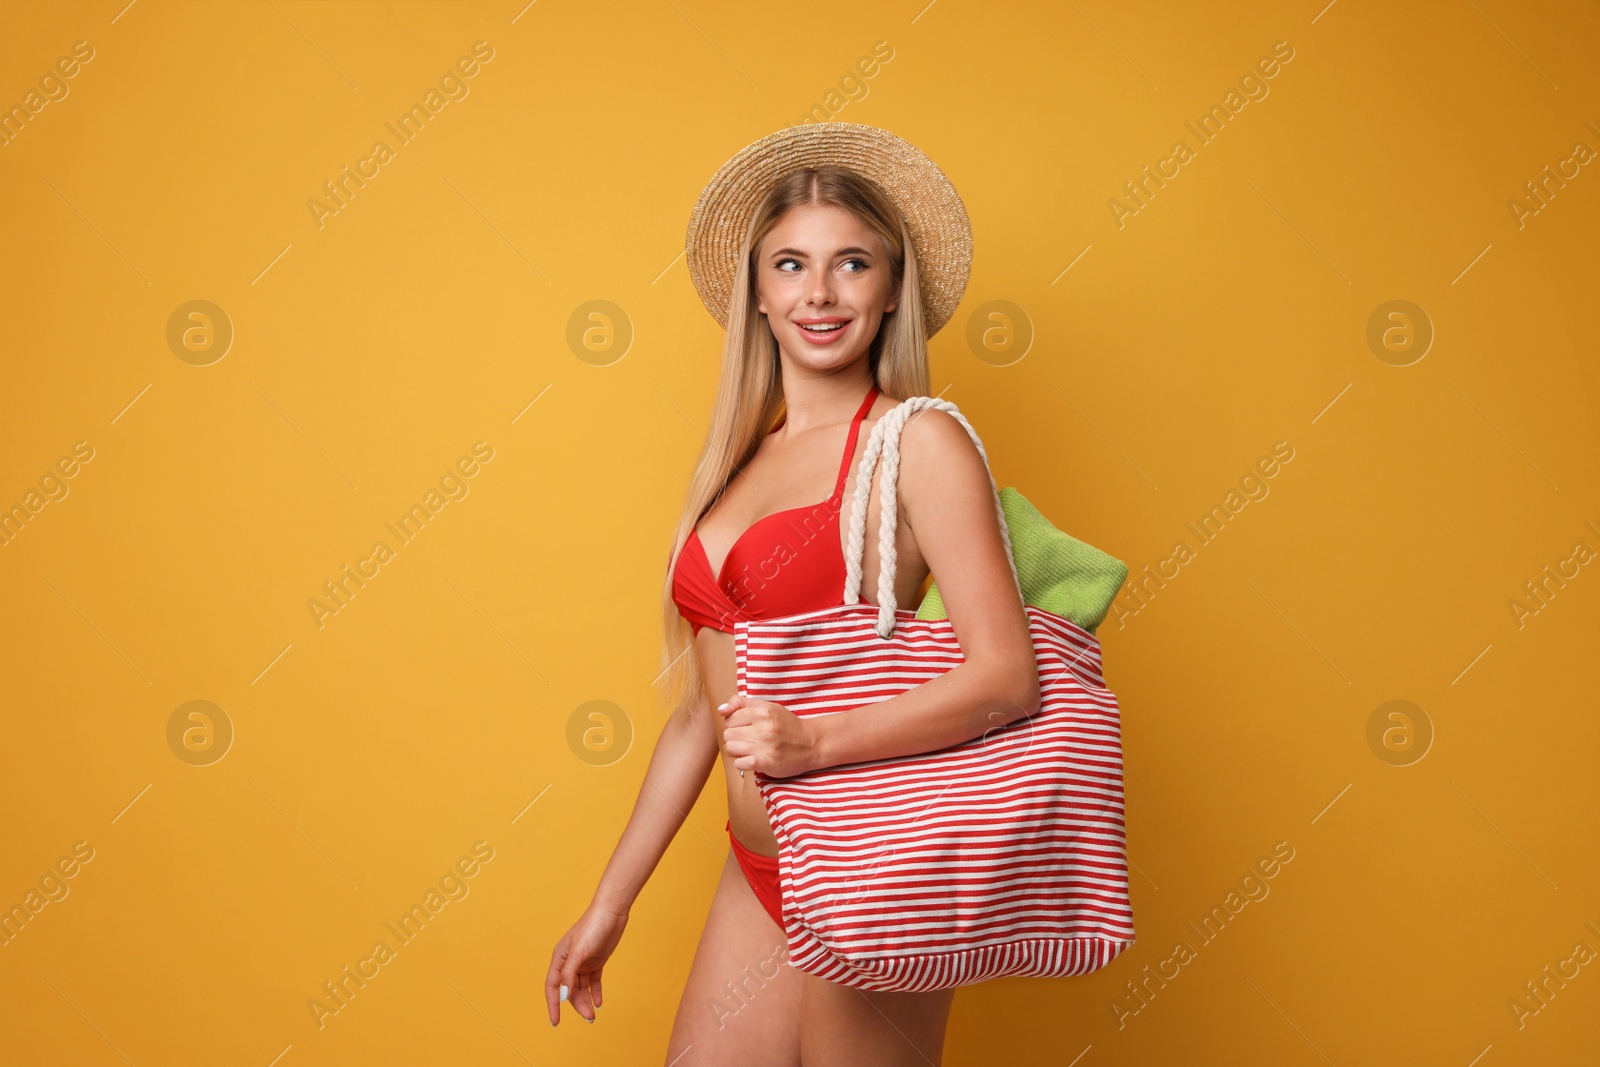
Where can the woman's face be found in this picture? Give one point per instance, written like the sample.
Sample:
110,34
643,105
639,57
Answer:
822,267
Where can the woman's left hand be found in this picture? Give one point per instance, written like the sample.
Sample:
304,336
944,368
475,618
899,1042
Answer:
767,737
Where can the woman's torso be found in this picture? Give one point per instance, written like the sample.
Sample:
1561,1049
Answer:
747,816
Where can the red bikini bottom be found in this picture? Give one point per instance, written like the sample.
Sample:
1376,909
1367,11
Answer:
762,874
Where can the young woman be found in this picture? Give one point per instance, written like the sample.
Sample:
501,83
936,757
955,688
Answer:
828,310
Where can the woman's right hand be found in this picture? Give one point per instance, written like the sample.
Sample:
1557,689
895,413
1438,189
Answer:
578,958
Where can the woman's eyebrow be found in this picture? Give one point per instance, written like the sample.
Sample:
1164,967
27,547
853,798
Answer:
852,250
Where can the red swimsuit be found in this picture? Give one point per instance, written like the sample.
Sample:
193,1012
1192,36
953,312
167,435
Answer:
786,563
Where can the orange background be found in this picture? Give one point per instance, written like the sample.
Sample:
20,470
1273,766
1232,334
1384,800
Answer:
433,311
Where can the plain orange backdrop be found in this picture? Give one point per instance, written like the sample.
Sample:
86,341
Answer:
1168,349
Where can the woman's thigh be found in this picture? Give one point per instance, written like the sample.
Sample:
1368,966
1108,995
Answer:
840,1025
741,1002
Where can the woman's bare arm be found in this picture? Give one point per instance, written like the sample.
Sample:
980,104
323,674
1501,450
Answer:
682,761
946,498
678,770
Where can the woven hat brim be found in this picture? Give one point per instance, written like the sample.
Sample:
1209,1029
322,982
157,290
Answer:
941,233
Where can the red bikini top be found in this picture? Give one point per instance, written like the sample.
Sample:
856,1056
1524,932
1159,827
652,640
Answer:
784,564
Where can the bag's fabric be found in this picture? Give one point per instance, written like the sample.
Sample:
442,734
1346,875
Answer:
1003,855
1058,572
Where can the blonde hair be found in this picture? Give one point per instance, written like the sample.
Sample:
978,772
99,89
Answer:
749,397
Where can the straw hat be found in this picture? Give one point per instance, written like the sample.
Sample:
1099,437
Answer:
941,234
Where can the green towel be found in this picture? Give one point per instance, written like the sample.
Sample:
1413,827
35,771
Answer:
1057,572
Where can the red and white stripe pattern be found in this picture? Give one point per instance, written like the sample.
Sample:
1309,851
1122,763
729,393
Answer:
1004,855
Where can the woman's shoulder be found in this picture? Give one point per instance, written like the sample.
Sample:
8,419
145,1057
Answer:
939,458
940,466
937,435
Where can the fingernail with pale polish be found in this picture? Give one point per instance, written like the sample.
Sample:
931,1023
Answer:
563,994
722,707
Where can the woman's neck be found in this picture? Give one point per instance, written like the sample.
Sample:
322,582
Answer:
822,401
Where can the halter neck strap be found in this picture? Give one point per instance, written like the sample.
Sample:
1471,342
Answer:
850,441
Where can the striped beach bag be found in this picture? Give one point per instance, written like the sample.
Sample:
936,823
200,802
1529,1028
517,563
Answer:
1004,855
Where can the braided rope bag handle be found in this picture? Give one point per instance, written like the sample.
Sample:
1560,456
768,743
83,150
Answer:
885,442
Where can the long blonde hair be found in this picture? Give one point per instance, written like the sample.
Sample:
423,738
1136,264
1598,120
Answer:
749,398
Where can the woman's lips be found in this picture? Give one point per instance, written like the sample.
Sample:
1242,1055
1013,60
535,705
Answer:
823,338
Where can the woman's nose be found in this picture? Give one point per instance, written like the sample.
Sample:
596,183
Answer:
821,290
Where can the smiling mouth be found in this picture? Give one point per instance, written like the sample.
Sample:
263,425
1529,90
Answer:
824,327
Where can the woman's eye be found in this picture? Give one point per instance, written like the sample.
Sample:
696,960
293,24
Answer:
861,265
